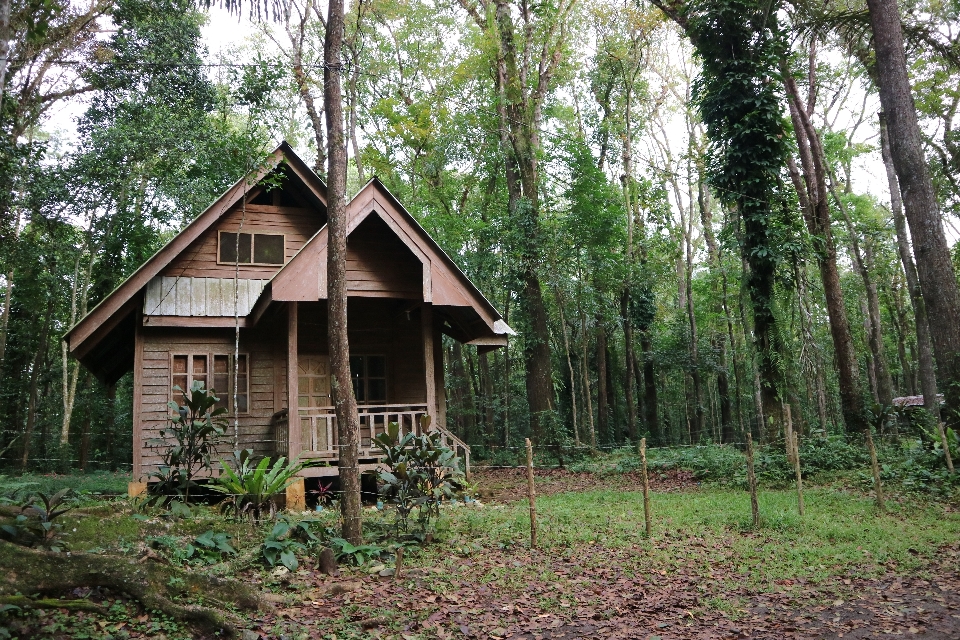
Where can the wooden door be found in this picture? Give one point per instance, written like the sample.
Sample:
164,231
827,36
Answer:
313,392
313,382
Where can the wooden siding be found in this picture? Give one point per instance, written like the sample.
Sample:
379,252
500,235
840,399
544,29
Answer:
379,265
199,260
264,349
375,327
169,296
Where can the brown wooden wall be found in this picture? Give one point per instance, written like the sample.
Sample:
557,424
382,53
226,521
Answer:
266,352
199,260
380,265
376,326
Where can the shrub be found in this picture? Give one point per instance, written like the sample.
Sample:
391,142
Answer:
195,427
422,473
207,548
251,489
35,526
285,540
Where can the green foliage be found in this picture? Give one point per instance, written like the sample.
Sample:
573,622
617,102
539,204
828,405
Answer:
250,489
285,541
209,547
422,473
195,428
357,555
35,526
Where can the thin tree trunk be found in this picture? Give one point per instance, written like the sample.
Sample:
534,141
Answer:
486,380
303,86
813,201
934,267
38,360
925,366
341,386
85,428
584,366
573,383
862,262
603,417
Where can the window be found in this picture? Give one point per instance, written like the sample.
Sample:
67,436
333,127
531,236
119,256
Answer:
369,375
254,248
189,368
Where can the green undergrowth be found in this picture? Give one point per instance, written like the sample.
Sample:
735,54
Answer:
841,534
908,466
85,486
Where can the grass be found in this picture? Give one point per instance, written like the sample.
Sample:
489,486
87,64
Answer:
840,535
90,485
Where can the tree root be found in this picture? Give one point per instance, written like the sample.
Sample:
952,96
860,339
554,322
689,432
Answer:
24,570
51,603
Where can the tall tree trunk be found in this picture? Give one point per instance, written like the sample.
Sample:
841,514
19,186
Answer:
463,393
38,359
110,424
573,382
934,268
85,428
927,373
603,415
486,381
303,83
341,385
813,201
862,263
585,371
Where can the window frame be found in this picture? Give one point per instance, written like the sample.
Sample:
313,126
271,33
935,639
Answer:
365,379
209,375
253,241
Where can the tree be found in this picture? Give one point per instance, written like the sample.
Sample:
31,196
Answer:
341,383
934,267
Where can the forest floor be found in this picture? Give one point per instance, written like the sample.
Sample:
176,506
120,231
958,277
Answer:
843,570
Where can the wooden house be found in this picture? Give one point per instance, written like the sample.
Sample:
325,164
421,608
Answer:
256,259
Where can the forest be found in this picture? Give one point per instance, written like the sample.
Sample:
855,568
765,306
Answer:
695,215
724,233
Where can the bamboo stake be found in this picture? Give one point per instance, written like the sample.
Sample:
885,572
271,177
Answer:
876,472
398,567
752,481
531,496
796,468
646,485
946,445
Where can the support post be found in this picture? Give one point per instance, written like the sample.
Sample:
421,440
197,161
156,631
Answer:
531,496
296,496
426,331
796,467
752,482
293,416
876,473
646,486
138,475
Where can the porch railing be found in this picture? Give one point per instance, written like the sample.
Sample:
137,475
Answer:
318,435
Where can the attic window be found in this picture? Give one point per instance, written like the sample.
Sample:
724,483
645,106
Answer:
254,248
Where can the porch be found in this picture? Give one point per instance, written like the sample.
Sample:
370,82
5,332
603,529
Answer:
319,441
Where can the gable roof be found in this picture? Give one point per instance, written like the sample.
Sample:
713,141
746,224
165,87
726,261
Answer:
303,278
122,301
104,339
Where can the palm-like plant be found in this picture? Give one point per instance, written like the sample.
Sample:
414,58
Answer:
250,488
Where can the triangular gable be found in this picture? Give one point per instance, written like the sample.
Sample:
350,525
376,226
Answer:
108,312
303,278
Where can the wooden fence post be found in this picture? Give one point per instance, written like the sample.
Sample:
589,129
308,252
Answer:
876,472
752,482
946,445
646,485
531,496
796,468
